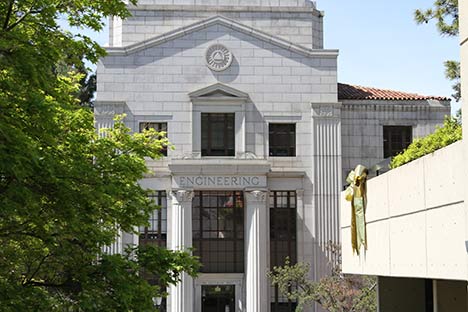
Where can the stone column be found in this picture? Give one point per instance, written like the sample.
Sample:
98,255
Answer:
181,295
256,229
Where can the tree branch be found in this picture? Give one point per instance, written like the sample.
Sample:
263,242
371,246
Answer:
8,16
30,11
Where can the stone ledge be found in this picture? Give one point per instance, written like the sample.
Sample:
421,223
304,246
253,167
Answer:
214,8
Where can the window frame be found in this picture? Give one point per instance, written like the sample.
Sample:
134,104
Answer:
273,147
280,303
207,149
406,137
210,258
157,237
145,125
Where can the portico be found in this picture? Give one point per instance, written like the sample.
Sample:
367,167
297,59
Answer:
243,188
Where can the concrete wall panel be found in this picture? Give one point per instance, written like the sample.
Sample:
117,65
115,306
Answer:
445,243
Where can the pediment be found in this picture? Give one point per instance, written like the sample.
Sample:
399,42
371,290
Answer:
218,20
218,92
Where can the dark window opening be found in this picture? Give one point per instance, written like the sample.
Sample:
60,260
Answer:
156,232
156,235
218,134
218,231
282,140
218,298
429,295
396,139
283,242
159,127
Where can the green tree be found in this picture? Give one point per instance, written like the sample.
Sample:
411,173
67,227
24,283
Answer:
449,133
445,14
65,190
336,293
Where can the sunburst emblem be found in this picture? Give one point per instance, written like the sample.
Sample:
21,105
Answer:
218,57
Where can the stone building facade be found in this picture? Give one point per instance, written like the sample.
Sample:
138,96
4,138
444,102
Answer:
250,100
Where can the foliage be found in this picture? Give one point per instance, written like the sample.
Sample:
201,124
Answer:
63,187
335,293
445,13
451,132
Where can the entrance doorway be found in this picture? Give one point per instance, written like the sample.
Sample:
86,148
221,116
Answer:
218,298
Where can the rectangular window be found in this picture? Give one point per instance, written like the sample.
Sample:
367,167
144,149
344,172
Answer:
158,126
218,134
156,232
218,231
396,139
283,243
282,140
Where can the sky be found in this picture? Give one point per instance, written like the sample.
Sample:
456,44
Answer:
381,46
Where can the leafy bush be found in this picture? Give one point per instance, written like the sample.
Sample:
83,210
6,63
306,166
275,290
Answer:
451,132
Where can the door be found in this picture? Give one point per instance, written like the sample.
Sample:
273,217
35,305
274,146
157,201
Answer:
218,298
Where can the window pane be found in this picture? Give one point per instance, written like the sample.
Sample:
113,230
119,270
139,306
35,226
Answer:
218,134
282,140
156,232
282,240
396,139
158,126
220,239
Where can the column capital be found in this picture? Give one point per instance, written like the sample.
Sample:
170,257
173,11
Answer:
183,195
326,110
256,195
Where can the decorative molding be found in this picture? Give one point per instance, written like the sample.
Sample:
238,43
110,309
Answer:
256,195
229,8
217,89
221,20
183,195
108,108
329,110
218,57
392,106
283,118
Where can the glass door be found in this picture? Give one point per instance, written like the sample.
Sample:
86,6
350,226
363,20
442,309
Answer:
218,298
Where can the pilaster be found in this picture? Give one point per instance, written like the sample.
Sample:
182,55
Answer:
326,144
256,229
181,295
104,113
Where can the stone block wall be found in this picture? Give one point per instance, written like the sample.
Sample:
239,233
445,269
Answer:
301,25
154,83
362,126
266,3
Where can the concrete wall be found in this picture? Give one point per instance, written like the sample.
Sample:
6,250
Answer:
363,121
463,10
415,220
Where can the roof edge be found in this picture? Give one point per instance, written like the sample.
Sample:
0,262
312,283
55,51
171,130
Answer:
361,93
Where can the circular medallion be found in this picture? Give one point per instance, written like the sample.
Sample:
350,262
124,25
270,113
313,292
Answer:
218,57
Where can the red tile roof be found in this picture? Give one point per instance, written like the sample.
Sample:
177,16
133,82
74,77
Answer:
351,92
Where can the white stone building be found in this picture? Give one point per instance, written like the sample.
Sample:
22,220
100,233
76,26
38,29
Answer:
250,100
